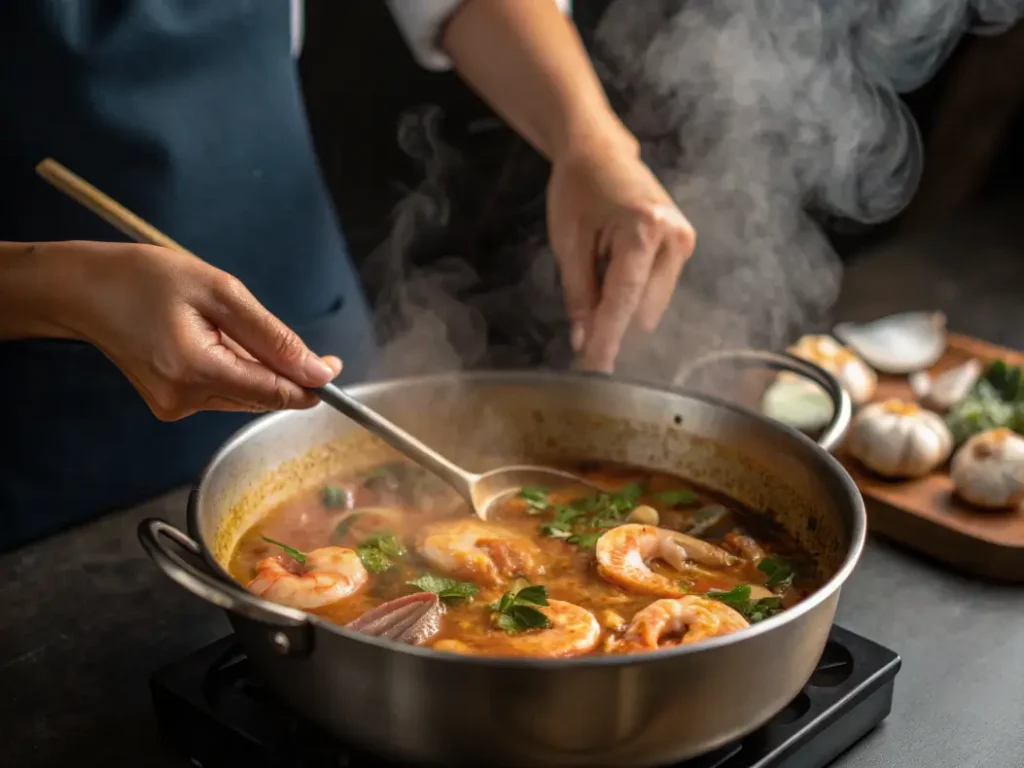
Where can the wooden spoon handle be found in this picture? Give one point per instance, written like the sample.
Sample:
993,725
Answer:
110,210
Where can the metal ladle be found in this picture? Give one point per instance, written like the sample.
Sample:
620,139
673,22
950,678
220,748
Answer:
481,491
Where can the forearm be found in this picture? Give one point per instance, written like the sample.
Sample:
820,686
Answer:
35,291
528,62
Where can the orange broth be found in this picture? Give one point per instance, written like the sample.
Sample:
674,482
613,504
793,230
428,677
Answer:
343,514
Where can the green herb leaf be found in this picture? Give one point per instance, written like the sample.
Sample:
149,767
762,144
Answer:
556,530
567,514
507,623
293,553
778,570
334,497
536,500
738,598
574,522
997,400
586,540
374,560
377,550
515,611
536,594
445,588
386,542
677,498
1008,380
529,618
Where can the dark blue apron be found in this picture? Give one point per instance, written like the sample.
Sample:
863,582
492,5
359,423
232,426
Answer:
190,113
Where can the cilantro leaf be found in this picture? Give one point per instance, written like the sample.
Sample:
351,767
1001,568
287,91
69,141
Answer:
536,594
556,530
515,612
778,570
377,550
677,498
293,553
738,598
507,623
445,588
374,560
529,618
536,500
586,540
386,542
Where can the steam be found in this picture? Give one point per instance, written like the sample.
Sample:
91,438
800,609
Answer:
763,120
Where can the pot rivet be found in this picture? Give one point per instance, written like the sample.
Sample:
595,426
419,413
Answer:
280,642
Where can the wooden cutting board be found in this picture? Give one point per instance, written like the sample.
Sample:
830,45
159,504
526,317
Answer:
924,514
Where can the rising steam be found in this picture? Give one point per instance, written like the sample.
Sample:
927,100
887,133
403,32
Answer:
761,119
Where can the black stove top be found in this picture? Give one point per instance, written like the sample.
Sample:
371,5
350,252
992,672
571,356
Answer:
213,714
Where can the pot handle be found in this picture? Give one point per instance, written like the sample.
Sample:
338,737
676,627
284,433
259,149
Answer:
842,407
290,632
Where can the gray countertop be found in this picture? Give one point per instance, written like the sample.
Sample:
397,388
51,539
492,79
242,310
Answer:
85,617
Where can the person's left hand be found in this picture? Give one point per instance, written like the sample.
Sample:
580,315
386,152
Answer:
604,204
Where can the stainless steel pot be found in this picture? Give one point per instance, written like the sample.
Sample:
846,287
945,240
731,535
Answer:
417,705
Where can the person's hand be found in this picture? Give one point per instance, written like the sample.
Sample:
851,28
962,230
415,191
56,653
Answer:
604,204
190,337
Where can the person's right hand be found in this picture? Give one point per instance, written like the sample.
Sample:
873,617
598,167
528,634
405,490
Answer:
190,337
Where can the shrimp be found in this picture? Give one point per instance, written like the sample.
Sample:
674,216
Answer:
472,549
328,575
679,621
574,631
623,554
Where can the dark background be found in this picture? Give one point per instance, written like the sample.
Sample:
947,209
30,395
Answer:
359,78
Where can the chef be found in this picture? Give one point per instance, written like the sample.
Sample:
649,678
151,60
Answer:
191,114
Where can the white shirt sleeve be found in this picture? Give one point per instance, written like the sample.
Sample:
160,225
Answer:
421,21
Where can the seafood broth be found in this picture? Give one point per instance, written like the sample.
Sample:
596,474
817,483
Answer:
651,562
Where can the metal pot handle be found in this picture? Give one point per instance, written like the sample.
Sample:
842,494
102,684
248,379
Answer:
842,407
290,631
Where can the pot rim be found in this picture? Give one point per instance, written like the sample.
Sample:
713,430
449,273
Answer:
858,531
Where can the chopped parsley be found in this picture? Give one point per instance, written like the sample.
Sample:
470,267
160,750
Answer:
586,540
738,598
995,400
536,500
335,497
557,530
778,570
378,549
582,521
678,498
293,553
515,611
445,588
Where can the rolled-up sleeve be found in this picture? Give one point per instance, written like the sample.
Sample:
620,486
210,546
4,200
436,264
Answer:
421,22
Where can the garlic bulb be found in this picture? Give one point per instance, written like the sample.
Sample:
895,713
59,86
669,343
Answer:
897,439
856,377
988,470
